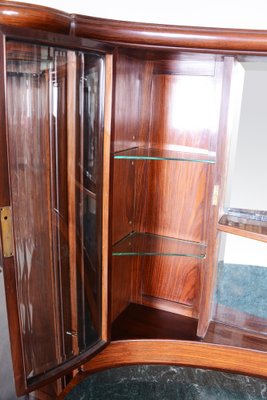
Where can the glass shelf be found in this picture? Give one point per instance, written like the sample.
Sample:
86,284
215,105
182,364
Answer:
142,153
247,223
147,244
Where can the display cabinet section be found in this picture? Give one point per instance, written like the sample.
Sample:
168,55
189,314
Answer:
142,153
248,223
55,128
240,297
247,163
164,160
146,244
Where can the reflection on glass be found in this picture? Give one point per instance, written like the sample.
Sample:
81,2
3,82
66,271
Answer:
141,153
58,262
248,164
241,291
153,245
89,195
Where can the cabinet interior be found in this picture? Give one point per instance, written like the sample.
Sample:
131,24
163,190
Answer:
166,124
169,226
175,118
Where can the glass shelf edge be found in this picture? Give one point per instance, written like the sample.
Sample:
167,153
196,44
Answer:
117,157
121,254
139,153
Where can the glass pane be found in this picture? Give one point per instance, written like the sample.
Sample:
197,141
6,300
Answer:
241,292
89,194
56,178
248,164
140,153
150,244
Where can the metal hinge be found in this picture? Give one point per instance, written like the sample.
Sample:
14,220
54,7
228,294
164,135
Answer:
215,195
7,231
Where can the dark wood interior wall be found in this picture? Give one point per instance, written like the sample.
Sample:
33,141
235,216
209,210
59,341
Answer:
130,129
183,99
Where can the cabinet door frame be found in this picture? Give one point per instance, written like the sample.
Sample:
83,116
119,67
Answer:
22,383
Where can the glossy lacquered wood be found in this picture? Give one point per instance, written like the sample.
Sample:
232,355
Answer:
166,92
133,33
256,230
141,322
203,355
123,32
34,16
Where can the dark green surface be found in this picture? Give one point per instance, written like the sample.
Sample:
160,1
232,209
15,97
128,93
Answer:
242,287
170,383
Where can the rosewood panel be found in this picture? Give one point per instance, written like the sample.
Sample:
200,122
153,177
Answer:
174,199
34,16
141,322
172,278
238,40
202,355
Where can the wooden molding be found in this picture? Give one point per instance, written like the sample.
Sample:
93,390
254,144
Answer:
222,40
184,353
33,16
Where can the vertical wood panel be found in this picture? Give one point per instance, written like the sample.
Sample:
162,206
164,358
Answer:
105,192
71,165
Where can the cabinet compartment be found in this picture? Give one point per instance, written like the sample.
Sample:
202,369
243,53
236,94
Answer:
164,160
54,153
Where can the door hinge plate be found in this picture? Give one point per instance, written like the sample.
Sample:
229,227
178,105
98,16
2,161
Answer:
7,231
215,195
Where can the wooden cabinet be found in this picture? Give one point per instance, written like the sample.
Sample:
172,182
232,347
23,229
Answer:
117,152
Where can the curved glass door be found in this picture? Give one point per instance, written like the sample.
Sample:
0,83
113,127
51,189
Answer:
55,127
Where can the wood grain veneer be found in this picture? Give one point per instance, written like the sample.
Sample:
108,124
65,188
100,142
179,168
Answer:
34,16
134,33
219,39
141,322
193,354
106,190
72,133
144,82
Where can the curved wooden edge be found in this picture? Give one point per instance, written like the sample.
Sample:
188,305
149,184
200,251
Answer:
191,354
33,16
183,353
220,39
238,41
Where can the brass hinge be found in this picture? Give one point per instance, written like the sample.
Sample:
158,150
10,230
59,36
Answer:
215,195
7,231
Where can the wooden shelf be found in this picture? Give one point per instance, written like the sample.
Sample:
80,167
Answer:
142,322
149,153
220,333
148,244
244,225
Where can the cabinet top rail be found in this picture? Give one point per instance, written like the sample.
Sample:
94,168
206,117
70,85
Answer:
224,40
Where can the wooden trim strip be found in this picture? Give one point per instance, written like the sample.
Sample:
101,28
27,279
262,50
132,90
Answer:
71,165
105,203
185,353
171,36
124,32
